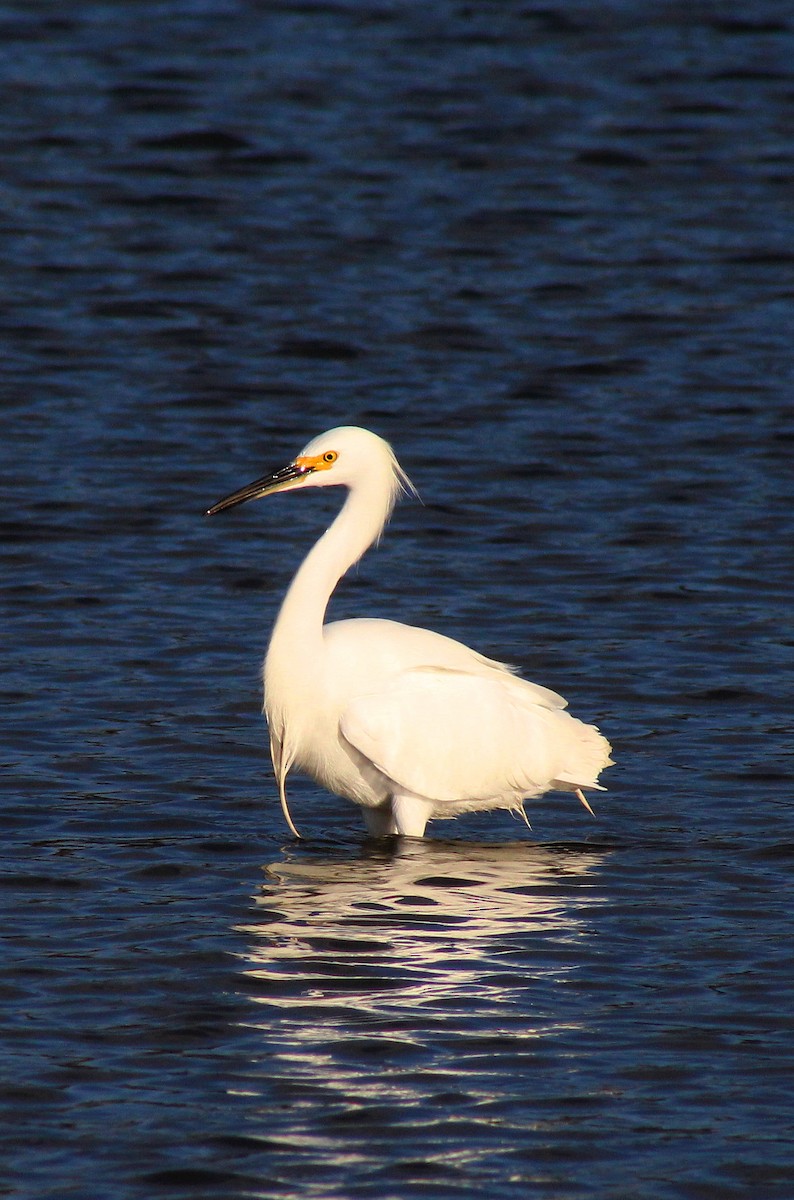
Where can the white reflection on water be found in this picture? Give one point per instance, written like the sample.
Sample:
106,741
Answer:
427,926
404,1001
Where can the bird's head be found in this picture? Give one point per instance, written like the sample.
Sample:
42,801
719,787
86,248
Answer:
347,457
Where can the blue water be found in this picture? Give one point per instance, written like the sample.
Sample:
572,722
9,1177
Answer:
546,250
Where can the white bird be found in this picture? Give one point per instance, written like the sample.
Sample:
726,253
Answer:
408,724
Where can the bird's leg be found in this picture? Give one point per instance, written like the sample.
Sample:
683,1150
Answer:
583,799
379,821
410,814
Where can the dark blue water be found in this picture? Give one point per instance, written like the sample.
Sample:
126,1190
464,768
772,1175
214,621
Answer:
546,250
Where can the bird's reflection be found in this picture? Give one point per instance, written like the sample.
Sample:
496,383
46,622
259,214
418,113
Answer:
418,926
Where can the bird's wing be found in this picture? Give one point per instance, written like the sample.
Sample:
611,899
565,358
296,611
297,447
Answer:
452,735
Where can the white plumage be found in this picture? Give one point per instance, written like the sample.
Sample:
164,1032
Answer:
408,724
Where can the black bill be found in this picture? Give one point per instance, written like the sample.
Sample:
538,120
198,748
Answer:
261,487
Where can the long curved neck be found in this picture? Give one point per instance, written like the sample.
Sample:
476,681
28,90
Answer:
299,625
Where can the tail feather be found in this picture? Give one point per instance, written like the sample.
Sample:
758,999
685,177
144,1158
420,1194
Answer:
585,801
589,756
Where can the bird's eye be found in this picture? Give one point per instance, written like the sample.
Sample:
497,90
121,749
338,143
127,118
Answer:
330,456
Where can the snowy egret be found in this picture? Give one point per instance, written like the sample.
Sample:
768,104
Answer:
408,724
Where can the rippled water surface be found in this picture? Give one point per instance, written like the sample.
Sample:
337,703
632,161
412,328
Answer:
546,250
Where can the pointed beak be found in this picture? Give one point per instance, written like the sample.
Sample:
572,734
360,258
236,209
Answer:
279,481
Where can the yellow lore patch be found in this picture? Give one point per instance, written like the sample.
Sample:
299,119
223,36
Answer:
316,462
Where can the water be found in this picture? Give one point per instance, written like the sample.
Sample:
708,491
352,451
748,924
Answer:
546,251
